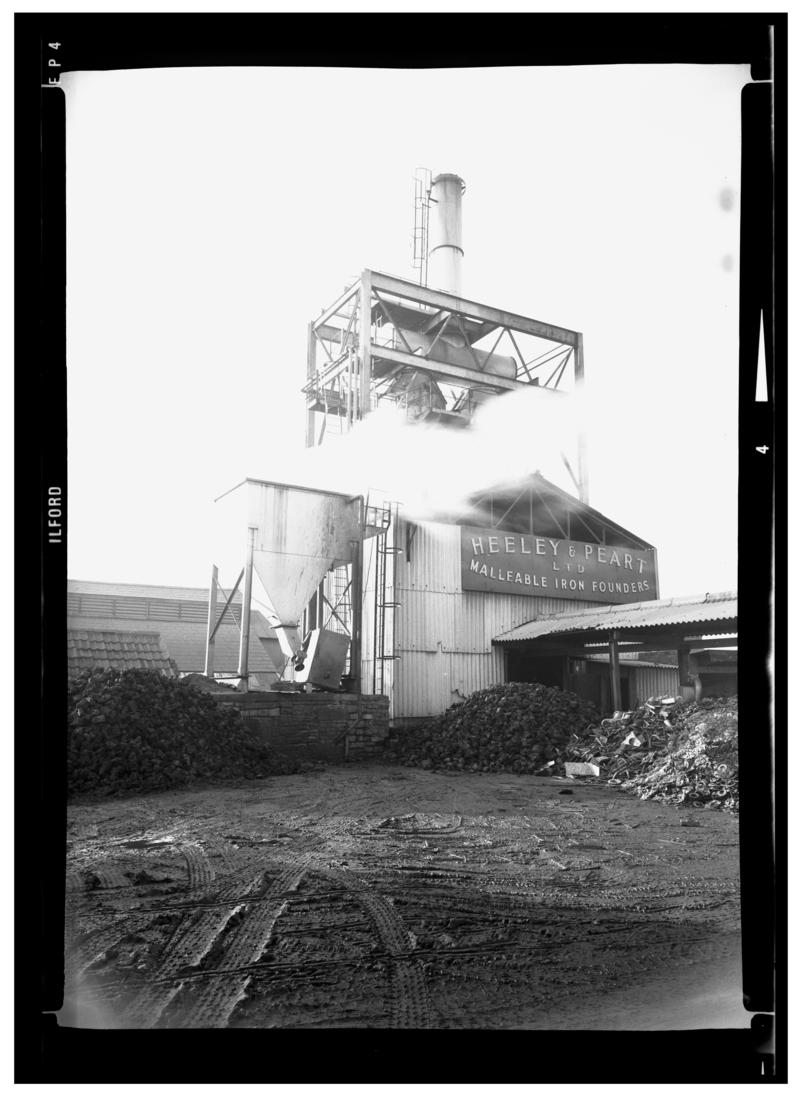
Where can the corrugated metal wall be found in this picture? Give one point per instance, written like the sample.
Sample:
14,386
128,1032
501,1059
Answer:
443,633
647,681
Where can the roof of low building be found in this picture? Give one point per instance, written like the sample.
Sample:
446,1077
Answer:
185,643
131,589
103,649
178,615
632,661
704,608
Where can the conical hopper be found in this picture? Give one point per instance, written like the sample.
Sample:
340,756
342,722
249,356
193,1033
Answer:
300,534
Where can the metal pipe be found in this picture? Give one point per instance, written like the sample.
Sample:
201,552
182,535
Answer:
583,459
356,596
244,641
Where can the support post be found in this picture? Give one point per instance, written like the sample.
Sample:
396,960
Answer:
311,366
319,605
683,666
212,617
244,642
364,343
565,681
686,682
616,688
583,463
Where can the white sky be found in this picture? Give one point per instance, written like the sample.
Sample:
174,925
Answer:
211,214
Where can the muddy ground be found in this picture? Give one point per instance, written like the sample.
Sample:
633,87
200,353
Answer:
387,897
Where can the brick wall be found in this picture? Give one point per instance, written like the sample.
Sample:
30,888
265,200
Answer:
331,726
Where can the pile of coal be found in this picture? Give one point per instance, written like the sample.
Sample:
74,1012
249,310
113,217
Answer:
513,727
670,750
137,730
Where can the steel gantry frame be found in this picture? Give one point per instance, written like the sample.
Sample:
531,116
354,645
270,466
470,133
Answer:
360,344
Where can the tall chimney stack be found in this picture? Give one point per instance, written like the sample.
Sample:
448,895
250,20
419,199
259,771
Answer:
445,251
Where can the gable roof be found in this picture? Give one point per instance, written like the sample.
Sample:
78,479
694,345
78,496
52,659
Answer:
550,504
575,506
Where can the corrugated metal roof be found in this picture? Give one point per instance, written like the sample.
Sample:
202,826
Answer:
700,609
126,589
88,649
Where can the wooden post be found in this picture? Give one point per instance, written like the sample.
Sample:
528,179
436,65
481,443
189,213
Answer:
616,688
212,619
244,642
583,463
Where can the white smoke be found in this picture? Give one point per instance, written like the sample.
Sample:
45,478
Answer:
432,469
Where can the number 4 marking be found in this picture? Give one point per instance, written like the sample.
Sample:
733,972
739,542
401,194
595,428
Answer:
54,45
762,449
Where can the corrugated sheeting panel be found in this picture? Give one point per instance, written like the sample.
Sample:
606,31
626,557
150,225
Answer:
653,682
435,555
481,616
444,634
427,683
425,620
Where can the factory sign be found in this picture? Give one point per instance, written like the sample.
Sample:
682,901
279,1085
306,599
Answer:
540,566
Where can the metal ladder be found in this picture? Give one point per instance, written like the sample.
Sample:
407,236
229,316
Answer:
385,579
422,205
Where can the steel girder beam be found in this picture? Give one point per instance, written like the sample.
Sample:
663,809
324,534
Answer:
453,372
334,308
473,310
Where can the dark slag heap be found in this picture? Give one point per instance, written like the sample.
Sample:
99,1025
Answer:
508,728
137,730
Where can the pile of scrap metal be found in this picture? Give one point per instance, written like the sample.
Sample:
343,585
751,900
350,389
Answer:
669,750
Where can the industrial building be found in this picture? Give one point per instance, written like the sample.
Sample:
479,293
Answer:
366,599
115,625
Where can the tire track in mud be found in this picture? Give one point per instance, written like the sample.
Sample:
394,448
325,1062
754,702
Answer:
192,940
212,954
410,1002
200,871
188,936
217,998
78,959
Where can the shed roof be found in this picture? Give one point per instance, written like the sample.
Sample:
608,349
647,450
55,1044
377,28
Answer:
705,608
96,649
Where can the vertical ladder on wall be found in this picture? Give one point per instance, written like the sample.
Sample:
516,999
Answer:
385,581
422,205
